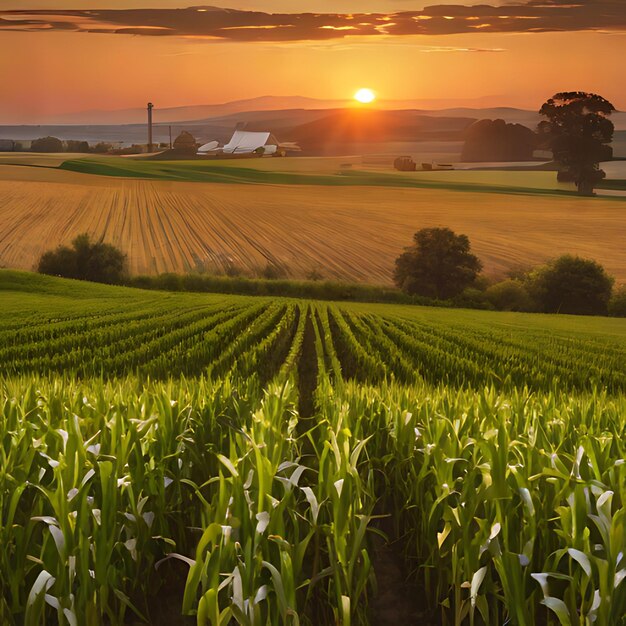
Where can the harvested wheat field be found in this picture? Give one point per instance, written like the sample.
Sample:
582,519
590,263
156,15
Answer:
352,233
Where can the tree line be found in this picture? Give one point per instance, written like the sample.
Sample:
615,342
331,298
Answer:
441,265
577,130
438,269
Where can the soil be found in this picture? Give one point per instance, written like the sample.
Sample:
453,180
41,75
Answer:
398,601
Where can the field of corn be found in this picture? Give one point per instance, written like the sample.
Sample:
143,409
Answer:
256,461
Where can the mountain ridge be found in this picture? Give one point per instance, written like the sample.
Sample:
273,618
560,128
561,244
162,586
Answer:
262,103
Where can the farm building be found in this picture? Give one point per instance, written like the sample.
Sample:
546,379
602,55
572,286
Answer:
244,142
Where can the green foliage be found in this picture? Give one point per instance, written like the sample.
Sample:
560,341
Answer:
570,284
312,288
76,146
617,303
102,147
494,443
245,171
510,295
472,298
46,144
579,133
439,264
495,140
98,262
119,331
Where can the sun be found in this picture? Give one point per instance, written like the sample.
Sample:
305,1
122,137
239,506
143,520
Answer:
365,96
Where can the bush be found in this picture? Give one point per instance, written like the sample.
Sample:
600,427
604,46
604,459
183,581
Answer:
617,303
510,295
98,262
472,298
573,285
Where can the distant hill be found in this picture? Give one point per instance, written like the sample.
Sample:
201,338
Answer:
320,126
312,128
196,112
168,115
337,132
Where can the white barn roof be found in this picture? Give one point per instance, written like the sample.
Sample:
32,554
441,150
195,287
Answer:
244,141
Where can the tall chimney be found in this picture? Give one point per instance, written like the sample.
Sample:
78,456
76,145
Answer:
150,107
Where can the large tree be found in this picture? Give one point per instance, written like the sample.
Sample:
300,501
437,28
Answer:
579,133
438,265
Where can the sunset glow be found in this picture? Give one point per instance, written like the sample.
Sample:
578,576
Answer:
436,55
365,96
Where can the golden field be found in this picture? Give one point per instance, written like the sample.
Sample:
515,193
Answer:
352,233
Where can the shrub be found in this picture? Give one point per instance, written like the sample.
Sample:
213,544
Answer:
617,303
98,262
510,295
573,285
170,282
472,298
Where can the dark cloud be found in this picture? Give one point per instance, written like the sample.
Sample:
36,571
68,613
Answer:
235,25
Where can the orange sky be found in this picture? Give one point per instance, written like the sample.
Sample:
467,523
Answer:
54,71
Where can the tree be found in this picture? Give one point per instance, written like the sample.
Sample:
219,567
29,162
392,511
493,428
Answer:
185,143
46,144
579,133
571,284
98,262
74,145
438,265
495,140
102,147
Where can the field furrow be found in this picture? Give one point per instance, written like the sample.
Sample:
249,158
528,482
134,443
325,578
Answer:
345,233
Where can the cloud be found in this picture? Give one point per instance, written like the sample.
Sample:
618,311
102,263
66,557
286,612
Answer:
219,24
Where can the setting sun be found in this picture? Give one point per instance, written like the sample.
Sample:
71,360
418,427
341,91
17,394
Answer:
365,96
